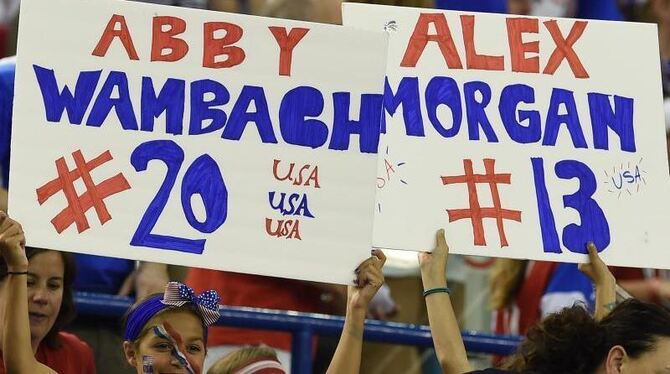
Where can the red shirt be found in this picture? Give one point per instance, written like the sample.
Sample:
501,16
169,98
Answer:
258,292
72,357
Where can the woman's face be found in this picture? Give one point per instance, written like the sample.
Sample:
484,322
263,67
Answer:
656,361
45,292
186,327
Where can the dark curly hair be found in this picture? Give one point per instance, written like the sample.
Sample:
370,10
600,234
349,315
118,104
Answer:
67,310
572,341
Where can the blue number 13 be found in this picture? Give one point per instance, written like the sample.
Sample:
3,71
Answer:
593,223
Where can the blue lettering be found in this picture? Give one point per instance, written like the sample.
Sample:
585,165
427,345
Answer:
301,209
510,98
619,119
280,204
56,102
593,223
638,176
240,116
202,110
169,101
367,126
295,106
570,119
475,110
122,105
444,90
628,177
407,96
547,221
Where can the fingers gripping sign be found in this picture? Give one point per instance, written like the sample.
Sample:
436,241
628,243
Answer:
12,243
434,265
603,279
369,278
596,269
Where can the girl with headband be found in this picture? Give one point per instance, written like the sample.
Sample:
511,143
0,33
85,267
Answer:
168,332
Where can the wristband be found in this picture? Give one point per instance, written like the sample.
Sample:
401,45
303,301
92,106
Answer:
436,290
17,273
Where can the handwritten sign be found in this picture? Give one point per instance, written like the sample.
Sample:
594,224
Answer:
525,137
196,138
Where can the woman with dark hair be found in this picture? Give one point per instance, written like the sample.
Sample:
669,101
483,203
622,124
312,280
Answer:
632,337
43,278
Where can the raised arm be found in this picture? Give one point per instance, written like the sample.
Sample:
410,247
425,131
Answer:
369,278
18,354
604,281
443,325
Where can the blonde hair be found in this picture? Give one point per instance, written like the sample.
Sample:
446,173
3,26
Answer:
241,357
506,277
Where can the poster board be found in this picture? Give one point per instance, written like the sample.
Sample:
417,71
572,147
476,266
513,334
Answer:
525,137
196,138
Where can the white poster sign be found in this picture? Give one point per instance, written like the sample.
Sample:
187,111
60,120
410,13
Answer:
196,138
525,137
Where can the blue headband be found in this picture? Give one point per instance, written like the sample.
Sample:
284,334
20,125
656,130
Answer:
176,294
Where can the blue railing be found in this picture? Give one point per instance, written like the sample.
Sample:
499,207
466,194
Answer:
304,326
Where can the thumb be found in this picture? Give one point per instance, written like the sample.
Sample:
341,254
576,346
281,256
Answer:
442,247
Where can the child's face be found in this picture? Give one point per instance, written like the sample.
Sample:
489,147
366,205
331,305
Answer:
186,329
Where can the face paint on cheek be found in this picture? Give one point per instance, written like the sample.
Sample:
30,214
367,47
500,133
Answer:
147,365
180,343
177,346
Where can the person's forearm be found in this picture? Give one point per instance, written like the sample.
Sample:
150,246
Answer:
605,298
17,350
347,357
447,339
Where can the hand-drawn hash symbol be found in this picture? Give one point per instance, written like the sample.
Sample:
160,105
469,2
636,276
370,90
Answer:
77,205
476,213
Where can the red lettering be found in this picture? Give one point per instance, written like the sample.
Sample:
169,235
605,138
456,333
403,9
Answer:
420,38
111,32
286,42
474,60
564,48
516,27
275,168
214,47
314,177
289,229
389,167
162,40
295,230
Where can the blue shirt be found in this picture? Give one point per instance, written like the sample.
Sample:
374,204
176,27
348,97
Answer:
566,287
